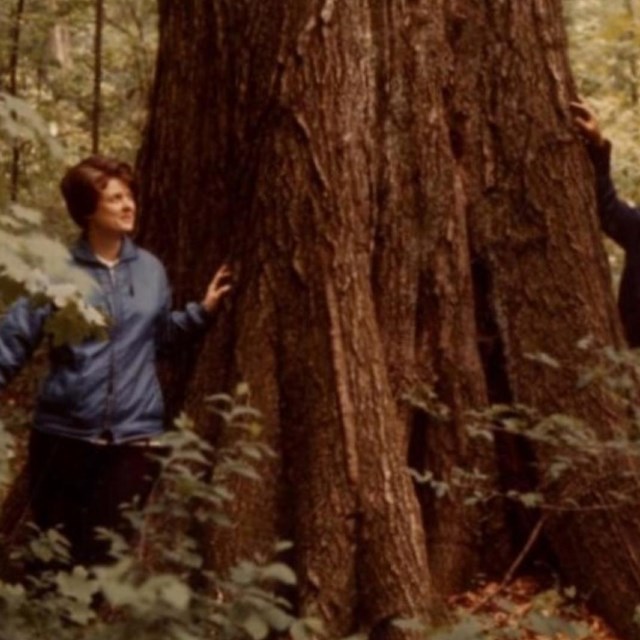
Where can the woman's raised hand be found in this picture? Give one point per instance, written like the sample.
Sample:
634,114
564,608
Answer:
587,122
218,288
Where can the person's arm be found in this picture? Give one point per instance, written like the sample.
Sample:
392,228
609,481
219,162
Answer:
619,220
21,330
180,326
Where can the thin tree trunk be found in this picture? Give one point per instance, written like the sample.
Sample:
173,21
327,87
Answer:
14,61
97,77
58,48
633,57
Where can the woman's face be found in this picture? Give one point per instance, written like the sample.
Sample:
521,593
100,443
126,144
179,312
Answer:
116,210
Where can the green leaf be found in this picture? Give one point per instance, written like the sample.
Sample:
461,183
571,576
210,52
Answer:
77,585
25,214
80,613
255,626
421,478
544,359
184,423
299,631
586,343
307,629
280,572
176,593
547,625
531,500
180,633
277,619
246,472
467,629
315,625
283,545
410,624
242,390
244,573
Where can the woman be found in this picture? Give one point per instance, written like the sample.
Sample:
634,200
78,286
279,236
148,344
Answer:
101,405
618,219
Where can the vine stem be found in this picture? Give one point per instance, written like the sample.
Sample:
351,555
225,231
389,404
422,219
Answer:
508,576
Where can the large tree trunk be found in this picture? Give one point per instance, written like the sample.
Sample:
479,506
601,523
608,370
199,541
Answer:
533,231
398,188
303,331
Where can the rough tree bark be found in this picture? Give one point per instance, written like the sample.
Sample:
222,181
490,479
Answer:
398,187
14,61
534,235
312,348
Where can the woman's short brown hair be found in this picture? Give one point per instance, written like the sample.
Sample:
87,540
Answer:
82,184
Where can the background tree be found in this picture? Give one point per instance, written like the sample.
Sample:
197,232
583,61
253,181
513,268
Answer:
97,77
409,212
14,60
56,76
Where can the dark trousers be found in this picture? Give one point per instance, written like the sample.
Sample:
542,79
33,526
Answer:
78,486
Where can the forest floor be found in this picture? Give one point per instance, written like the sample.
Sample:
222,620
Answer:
527,609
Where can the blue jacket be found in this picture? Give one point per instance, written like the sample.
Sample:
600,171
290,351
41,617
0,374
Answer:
621,222
107,389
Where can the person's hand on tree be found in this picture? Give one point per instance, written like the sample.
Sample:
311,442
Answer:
587,123
218,288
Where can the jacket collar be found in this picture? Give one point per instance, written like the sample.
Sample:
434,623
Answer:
82,252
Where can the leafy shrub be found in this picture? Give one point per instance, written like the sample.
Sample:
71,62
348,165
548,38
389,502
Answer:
137,601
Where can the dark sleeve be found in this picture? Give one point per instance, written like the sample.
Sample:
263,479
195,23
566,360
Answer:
179,327
619,220
21,330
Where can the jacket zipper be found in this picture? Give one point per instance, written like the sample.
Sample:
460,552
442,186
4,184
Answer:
110,383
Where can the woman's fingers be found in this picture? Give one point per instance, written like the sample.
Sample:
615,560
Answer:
581,107
223,273
222,291
587,122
